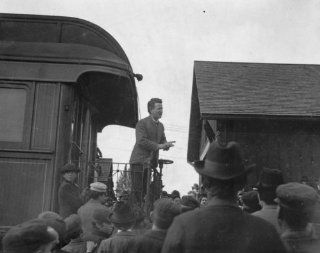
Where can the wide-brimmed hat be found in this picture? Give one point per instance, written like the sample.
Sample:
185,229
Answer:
222,162
28,236
69,167
270,178
122,214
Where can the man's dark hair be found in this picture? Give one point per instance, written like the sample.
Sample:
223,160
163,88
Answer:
152,102
268,195
296,220
95,194
224,189
175,194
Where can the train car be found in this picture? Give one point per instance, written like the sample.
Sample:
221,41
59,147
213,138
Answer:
62,80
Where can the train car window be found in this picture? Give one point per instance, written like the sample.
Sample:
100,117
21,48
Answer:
12,114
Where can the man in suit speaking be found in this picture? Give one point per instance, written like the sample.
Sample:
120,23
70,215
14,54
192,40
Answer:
150,138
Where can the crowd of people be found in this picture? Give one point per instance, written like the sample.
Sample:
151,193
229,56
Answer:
219,216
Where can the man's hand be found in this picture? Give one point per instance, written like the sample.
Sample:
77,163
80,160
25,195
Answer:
165,146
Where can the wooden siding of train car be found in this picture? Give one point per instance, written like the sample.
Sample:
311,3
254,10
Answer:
28,166
29,172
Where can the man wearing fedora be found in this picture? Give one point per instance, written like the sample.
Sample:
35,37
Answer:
97,199
222,226
69,193
269,180
123,220
297,203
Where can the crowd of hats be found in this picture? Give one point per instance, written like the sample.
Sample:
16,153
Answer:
223,162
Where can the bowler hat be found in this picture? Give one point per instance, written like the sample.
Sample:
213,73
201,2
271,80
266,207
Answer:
122,214
69,167
296,196
222,161
270,178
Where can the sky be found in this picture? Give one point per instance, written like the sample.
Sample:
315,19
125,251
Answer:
162,39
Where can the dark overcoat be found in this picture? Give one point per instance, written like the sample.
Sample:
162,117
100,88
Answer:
121,242
69,197
150,242
85,213
148,135
304,241
222,228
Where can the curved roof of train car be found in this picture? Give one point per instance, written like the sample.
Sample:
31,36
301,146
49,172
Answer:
61,53
25,56
57,29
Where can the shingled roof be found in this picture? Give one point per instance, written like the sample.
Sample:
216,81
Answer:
253,89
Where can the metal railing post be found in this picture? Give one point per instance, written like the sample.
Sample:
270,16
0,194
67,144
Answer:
146,166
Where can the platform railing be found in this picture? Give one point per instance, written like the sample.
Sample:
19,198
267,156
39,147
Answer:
119,177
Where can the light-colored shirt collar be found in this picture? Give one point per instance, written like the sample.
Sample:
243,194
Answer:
128,230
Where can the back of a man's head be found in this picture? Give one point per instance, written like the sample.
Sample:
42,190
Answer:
28,237
224,189
269,180
164,212
58,224
223,171
297,204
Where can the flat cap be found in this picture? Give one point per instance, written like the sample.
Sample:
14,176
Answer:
189,201
296,196
164,212
98,187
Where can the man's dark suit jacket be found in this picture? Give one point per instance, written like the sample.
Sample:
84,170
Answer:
149,242
69,199
220,229
148,135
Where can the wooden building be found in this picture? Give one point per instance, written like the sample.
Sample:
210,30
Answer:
272,110
62,80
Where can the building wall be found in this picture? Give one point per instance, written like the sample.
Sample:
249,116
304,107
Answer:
291,146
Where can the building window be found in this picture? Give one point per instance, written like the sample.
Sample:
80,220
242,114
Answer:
12,114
